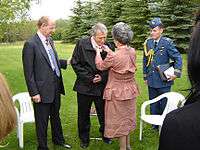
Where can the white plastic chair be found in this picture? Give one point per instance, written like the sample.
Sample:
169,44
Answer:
24,114
174,101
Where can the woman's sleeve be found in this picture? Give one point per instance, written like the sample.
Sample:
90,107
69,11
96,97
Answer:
106,63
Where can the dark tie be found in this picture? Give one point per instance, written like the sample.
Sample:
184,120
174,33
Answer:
53,59
155,44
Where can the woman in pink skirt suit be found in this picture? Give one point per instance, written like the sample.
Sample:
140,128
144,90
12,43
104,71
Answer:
121,89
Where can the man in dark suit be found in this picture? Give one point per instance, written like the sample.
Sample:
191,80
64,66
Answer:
44,82
90,81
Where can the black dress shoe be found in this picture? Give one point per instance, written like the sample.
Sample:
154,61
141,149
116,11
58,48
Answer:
84,145
64,145
107,140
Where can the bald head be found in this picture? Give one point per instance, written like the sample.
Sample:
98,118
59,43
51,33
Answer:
46,25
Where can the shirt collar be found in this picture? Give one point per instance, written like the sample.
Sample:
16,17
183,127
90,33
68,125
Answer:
157,40
41,36
94,44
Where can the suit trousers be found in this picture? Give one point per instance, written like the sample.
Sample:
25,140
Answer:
158,107
44,111
84,106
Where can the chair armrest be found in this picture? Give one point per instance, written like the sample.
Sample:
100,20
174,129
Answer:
17,113
181,103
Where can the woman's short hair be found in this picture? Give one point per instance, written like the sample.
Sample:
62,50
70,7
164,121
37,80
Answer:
122,33
193,65
98,27
7,110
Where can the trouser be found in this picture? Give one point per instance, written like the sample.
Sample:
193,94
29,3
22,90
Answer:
44,111
84,106
158,107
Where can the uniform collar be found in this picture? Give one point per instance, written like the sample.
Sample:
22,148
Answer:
157,40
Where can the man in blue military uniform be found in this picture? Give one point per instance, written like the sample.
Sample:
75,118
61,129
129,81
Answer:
159,50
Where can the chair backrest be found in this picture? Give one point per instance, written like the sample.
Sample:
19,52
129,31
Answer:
174,101
26,112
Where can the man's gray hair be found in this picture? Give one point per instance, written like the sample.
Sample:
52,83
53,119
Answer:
98,27
122,33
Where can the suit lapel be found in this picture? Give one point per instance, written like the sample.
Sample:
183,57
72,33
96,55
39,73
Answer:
42,49
88,45
158,46
161,44
151,46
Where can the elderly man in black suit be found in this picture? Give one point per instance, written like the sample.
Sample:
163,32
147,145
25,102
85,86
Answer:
44,82
90,81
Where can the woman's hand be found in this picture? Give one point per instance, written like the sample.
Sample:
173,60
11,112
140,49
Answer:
106,48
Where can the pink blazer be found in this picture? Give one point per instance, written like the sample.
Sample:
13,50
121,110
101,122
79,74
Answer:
121,83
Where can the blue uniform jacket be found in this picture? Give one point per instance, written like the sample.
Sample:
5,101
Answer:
164,52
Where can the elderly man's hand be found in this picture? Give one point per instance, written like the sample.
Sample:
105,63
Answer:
36,98
97,78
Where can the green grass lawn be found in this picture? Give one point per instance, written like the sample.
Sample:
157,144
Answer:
11,67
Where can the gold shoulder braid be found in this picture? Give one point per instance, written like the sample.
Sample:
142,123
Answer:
148,54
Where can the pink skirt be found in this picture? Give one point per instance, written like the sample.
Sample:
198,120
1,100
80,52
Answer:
120,117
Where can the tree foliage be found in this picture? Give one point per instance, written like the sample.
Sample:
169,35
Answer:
110,12
177,18
175,14
85,15
136,13
11,12
61,26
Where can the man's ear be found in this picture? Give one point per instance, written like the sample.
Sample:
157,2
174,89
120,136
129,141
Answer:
161,30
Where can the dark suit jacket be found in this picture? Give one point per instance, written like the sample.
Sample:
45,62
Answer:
83,63
39,76
181,129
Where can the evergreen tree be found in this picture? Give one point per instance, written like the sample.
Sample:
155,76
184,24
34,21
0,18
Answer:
136,13
85,14
89,17
73,31
111,11
176,16
10,13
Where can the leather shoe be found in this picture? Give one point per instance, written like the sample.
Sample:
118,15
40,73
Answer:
107,140
64,145
84,145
